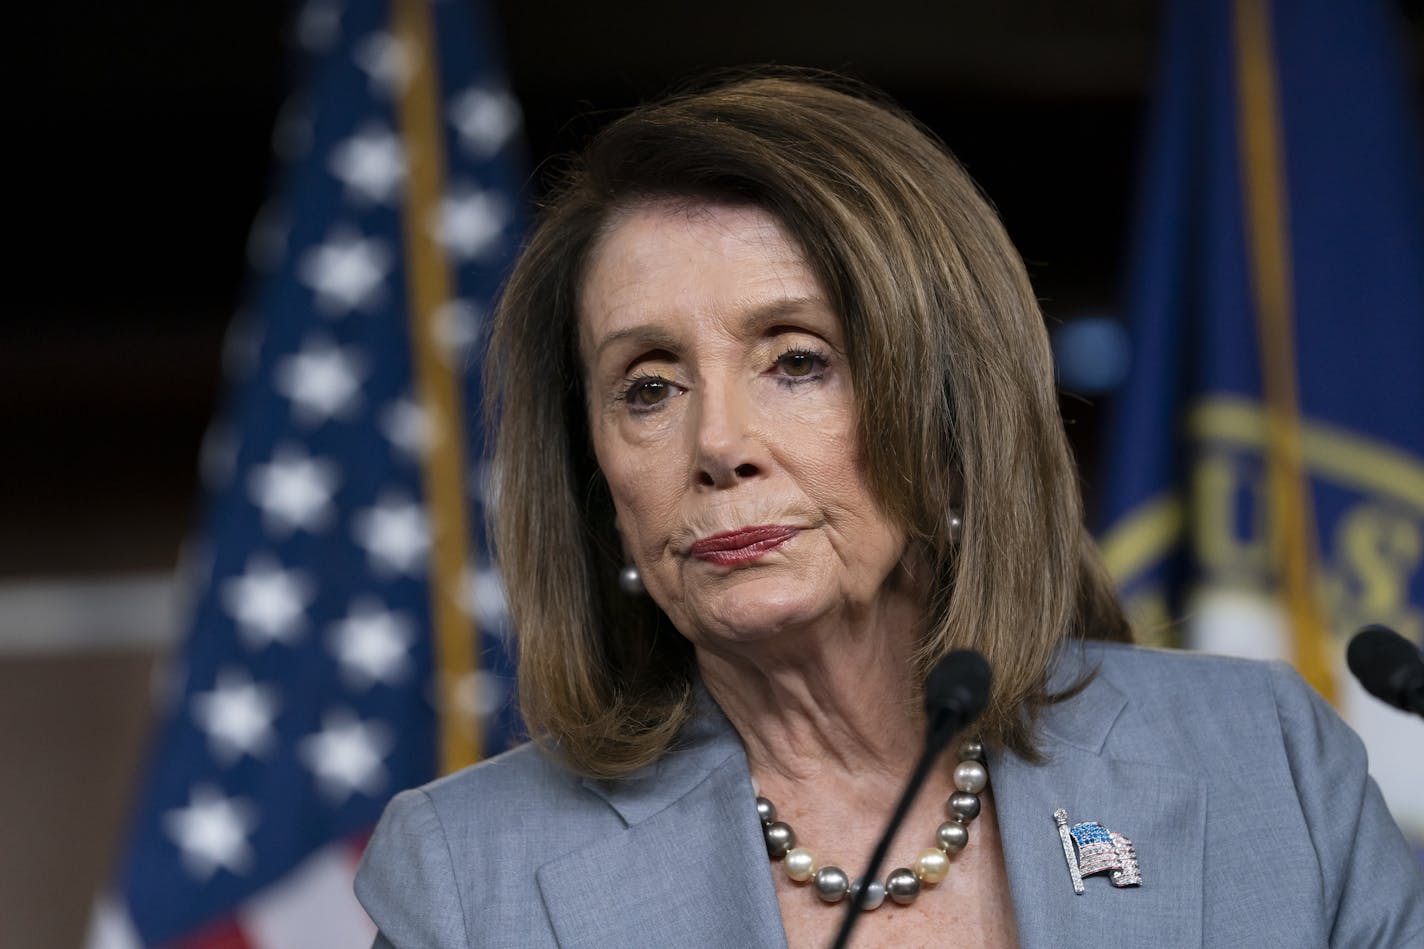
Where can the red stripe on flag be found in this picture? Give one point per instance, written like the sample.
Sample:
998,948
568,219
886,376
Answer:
357,843
222,934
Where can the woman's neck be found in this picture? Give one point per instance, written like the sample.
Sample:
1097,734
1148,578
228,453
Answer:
822,703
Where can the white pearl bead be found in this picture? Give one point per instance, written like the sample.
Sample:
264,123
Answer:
800,864
932,865
971,776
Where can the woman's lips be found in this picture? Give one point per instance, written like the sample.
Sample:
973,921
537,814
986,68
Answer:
742,546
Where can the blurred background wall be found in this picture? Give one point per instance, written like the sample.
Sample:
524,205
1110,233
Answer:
142,136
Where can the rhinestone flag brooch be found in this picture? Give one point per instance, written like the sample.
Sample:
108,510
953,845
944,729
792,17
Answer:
1091,848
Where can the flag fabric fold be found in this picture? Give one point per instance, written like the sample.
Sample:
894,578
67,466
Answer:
1265,486
346,632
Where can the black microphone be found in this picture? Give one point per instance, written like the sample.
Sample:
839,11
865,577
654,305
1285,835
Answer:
1390,667
956,691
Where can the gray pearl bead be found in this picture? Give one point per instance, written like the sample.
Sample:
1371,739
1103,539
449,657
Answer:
971,776
831,884
971,749
952,836
902,885
780,838
630,580
766,810
874,894
963,806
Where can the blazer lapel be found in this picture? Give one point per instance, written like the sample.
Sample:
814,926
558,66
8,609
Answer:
1162,811
689,867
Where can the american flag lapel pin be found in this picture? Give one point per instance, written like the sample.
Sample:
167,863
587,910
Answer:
1090,848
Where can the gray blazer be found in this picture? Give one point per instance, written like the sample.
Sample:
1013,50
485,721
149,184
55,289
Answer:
1247,799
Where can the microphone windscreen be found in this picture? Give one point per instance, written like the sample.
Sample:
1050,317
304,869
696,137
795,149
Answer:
958,684
1384,662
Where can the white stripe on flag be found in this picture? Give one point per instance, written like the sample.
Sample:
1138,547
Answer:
312,906
110,926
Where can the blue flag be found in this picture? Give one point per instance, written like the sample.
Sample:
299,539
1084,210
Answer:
345,629
1265,493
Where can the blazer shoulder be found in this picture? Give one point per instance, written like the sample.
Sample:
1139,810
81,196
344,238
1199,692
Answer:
1186,682
517,795
1283,769
457,856
515,774
1224,688
1194,709
1195,668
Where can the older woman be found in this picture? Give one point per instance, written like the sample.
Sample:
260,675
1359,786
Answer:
777,430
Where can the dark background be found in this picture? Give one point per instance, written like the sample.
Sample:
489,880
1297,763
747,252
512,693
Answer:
142,132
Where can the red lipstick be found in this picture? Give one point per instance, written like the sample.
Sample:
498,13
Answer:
743,545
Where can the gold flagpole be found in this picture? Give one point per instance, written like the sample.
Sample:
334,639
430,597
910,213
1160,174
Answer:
430,284
1268,247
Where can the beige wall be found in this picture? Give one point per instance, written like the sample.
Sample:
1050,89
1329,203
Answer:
72,733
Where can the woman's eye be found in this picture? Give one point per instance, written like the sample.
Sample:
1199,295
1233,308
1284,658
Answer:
800,364
647,393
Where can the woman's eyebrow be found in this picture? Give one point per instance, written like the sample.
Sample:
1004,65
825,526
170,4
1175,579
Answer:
759,319
754,322
654,335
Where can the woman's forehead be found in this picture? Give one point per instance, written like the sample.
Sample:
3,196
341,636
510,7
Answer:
666,262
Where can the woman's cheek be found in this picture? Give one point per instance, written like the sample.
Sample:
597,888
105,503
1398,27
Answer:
653,429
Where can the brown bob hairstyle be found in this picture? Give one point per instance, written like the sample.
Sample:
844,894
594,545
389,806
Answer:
955,397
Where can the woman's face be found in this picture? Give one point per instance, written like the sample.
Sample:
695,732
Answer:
723,419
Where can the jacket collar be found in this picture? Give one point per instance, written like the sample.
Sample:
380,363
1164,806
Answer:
690,852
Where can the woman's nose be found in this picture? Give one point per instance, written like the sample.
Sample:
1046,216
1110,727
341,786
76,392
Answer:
727,452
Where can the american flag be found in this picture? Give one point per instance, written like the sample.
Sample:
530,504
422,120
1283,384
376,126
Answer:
1101,849
344,625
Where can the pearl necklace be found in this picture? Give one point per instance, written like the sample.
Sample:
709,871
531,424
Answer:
902,885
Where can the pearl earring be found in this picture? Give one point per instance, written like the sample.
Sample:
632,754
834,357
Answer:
630,580
956,525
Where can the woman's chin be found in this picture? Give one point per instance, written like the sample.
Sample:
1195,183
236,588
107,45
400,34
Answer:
758,608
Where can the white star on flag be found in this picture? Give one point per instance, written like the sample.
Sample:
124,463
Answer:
456,326
293,490
268,603
212,832
346,271
485,119
410,427
347,755
322,381
371,644
483,485
371,163
387,61
237,716
482,597
395,534
470,222
479,694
